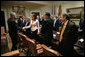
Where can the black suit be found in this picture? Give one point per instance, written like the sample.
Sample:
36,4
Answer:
21,24
13,32
69,39
28,30
47,32
81,23
57,25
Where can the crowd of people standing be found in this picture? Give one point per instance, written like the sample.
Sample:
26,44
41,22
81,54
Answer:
41,29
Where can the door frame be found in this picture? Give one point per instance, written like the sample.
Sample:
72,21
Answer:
5,16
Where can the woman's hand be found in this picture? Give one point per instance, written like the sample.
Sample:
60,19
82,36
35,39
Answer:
23,28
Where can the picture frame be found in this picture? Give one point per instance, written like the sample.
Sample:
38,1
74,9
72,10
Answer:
15,9
19,10
75,13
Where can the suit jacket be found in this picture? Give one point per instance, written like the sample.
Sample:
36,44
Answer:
13,27
57,25
47,26
47,31
21,24
69,39
81,23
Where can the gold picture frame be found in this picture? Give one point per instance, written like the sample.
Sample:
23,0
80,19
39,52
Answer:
75,13
19,10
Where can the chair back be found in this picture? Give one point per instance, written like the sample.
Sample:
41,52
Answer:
22,38
32,46
12,53
2,30
3,34
49,52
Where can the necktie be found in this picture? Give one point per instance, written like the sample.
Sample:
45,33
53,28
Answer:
62,25
62,32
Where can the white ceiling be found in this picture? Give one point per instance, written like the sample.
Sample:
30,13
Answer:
41,3
33,3
21,3
47,2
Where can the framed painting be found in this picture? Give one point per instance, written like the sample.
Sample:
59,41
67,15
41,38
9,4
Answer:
19,10
75,13
15,9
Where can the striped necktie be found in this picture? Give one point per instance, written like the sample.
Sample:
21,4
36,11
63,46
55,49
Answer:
61,35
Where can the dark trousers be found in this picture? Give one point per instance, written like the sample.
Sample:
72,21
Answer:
14,39
65,50
34,35
46,39
27,33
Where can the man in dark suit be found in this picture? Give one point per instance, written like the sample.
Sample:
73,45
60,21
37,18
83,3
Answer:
27,32
81,24
21,23
13,30
68,36
47,30
57,24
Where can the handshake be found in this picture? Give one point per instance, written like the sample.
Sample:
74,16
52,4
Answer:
24,28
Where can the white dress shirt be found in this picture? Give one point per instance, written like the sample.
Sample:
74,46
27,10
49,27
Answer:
54,22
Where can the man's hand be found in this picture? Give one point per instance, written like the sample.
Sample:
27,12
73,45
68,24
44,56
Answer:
38,33
23,28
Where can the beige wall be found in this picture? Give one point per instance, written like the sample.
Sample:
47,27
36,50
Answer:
70,4
8,9
28,10
48,8
42,9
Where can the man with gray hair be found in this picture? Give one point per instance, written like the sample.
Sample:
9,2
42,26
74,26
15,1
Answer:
12,25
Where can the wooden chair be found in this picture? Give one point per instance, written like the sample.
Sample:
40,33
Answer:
49,52
2,30
34,49
12,53
4,43
3,34
22,38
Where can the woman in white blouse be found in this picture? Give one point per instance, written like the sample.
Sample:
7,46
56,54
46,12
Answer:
34,25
